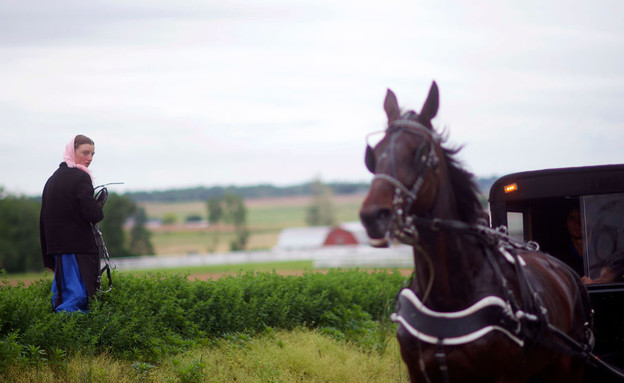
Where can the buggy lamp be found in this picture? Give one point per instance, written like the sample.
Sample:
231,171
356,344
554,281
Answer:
510,188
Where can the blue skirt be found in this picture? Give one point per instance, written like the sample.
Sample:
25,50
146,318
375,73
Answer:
73,292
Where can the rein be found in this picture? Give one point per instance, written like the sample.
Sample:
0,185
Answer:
102,194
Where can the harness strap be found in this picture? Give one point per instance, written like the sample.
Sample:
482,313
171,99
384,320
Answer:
396,183
507,292
441,357
584,351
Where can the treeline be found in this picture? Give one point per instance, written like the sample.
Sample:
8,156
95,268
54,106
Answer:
202,193
20,247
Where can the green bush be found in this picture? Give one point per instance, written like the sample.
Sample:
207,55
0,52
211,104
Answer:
20,249
149,318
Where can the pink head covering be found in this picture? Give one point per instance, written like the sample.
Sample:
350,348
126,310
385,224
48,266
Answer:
70,158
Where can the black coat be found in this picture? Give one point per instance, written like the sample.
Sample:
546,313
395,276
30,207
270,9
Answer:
68,208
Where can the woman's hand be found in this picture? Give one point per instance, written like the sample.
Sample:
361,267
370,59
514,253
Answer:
607,275
102,196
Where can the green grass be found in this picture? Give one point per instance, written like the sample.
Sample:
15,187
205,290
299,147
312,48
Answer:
249,328
180,210
263,327
266,215
270,215
176,242
276,217
276,356
279,217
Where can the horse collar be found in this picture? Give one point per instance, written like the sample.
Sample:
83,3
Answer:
460,327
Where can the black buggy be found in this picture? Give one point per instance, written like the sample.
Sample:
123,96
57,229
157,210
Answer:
536,206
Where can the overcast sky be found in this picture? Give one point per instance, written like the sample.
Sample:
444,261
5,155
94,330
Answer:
186,93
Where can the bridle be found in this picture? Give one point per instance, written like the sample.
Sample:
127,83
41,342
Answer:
403,226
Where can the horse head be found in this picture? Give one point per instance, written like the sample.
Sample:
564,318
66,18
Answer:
406,167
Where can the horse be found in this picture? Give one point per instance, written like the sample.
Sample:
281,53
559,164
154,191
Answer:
480,306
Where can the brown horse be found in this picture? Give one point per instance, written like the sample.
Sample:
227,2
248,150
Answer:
480,307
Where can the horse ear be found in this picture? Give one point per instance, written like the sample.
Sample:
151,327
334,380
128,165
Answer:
391,106
430,108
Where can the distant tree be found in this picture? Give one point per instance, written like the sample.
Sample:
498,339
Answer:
236,214
321,210
235,210
20,249
140,237
229,209
169,218
117,211
215,210
214,206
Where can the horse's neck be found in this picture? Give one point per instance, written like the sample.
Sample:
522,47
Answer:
451,266
451,261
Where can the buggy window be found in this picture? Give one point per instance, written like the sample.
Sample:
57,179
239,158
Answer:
603,236
515,225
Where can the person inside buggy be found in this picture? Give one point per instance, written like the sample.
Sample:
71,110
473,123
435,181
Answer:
586,233
605,237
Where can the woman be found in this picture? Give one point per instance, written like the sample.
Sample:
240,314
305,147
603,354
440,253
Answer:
68,210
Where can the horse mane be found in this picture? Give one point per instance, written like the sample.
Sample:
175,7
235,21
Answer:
463,182
464,186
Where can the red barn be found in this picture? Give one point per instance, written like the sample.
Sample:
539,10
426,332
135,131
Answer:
348,233
340,236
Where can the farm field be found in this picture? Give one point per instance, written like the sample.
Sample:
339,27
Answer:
266,217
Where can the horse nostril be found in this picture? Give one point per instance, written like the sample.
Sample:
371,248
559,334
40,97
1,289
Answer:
384,214
376,221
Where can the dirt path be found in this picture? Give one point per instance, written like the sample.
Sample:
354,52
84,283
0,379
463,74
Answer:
214,276
218,275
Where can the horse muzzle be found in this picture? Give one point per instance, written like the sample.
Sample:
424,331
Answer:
376,221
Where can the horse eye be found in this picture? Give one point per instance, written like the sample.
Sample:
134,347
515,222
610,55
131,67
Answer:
421,156
422,153
369,159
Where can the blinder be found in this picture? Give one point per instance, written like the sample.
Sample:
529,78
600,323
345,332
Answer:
369,159
422,154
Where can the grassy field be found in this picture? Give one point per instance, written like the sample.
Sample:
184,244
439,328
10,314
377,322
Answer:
265,219
277,356
300,354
